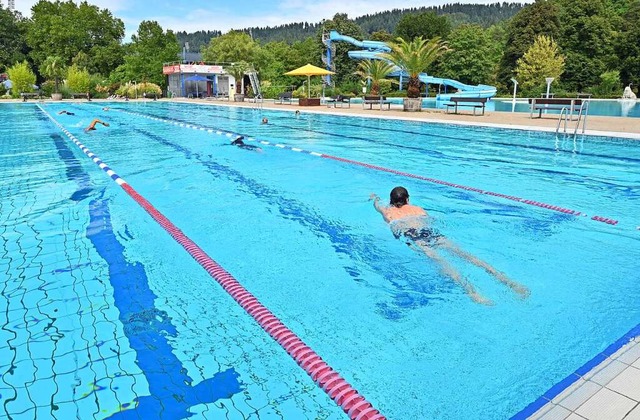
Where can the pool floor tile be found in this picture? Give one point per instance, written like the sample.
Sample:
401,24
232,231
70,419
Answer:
606,405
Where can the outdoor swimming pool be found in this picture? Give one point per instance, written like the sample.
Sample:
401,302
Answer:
105,315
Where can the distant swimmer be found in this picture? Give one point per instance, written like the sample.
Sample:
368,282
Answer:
265,121
66,112
297,112
92,126
411,223
106,108
238,142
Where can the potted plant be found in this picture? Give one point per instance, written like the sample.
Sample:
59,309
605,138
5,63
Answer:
54,68
413,58
237,70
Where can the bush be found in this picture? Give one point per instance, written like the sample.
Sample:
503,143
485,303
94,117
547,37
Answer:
22,78
131,90
78,80
48,87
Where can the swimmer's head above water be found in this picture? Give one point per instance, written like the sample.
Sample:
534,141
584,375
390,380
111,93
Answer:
399,197
238,141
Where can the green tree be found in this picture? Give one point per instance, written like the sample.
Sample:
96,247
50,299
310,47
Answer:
22,77
382,36
426,25
150,47
472,56
374,71
588,35
78,80
539,18
541,61
13,47
414,57
628,46
53,68
231,47
238,70
63,29
610,85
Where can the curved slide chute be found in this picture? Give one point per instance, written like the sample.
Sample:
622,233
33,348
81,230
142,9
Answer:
373,48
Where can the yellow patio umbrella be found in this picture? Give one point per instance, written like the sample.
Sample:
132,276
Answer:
309,70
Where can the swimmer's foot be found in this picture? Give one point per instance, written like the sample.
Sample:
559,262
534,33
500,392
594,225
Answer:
521,290
478,298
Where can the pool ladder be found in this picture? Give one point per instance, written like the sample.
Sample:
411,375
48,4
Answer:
255,86
564,112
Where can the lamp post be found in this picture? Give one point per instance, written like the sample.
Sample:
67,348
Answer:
549,80
515,89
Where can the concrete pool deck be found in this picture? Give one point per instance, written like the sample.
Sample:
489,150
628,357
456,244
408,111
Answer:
627,127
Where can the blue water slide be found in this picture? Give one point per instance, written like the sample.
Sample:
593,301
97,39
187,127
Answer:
372,49
369,45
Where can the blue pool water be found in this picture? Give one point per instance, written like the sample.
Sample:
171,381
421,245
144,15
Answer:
105,316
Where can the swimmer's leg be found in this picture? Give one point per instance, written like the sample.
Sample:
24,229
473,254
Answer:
452,273
523,291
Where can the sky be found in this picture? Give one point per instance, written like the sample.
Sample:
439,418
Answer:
195,15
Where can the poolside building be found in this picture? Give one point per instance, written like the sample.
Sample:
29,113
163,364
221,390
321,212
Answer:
198,79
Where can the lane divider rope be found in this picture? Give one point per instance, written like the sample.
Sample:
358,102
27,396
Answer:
231,134
340,391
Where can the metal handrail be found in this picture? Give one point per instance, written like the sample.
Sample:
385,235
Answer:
583,107
564,111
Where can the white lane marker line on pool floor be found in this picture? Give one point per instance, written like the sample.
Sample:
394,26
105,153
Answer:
338,389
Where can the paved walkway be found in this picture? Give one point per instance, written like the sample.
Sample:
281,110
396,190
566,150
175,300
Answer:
609,391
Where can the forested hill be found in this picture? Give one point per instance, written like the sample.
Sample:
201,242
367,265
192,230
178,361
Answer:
482,14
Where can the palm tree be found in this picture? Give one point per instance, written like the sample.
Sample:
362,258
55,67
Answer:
53,68
237,70
374,71
414,57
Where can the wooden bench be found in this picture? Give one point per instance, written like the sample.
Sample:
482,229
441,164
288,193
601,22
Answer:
81,95
475,103
541,104
376,100
284,98
340,99
26,95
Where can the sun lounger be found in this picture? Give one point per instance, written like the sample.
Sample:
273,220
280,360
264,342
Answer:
339,100
284,98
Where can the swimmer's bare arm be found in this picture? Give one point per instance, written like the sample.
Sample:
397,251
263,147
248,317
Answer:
379,207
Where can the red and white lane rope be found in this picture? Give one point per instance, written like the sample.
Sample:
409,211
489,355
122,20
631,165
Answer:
340,391
231,134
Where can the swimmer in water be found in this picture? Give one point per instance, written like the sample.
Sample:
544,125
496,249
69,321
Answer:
66,112
265,121
411,222
241,144
92,126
